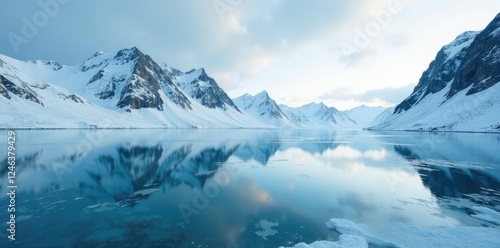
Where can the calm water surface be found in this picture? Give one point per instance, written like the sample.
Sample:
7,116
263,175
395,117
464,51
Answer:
239,188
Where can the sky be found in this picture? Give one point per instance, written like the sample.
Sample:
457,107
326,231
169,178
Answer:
344,53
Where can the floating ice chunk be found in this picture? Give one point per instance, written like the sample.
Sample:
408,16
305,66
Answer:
345,226
401,235
267,226
486,214
143,192
351,241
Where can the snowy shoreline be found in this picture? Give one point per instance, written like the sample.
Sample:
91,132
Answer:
246,128
402,235
433,131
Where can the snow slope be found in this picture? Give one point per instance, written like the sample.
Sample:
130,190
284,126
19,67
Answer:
321,116
198,85
128,89
459,91
400,235
263,108
364,115
313,115
382,116
476,113
123,90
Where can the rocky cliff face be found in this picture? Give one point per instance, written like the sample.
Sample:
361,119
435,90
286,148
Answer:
472,60
459,90
198,85
136,80
441,71
21,89
260,105
480,67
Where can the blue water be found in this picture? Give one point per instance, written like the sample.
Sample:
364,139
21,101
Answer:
239,188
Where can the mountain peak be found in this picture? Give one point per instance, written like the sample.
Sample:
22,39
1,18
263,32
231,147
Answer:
203,75
366,107
134,80
441,71
315,104
97,54
129,54
480,65
461,41
263,94
204,89
50,63
199,73
133,49
244,96
442,99
263,108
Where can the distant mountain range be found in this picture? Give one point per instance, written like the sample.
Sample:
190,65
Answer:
128,89
459,91
364,115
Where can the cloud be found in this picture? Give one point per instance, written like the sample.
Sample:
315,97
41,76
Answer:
390,95
254,44
356,57
396,40
347,152
243,39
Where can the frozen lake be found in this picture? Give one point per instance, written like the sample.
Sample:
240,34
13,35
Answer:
252,188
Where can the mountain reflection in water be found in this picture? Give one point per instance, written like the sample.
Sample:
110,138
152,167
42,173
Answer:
129,188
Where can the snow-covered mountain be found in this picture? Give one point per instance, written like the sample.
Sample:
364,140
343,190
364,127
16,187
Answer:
123,90
128,89
318,115
30,101
382,116
263,108
313,115
131,80
364,115
460,89
198,85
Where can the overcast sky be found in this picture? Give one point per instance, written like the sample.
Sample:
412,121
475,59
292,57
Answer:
343,53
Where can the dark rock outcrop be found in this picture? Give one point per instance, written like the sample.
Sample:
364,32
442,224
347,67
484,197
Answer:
139,88
481,66
440,72
472,60
21,90
208,92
